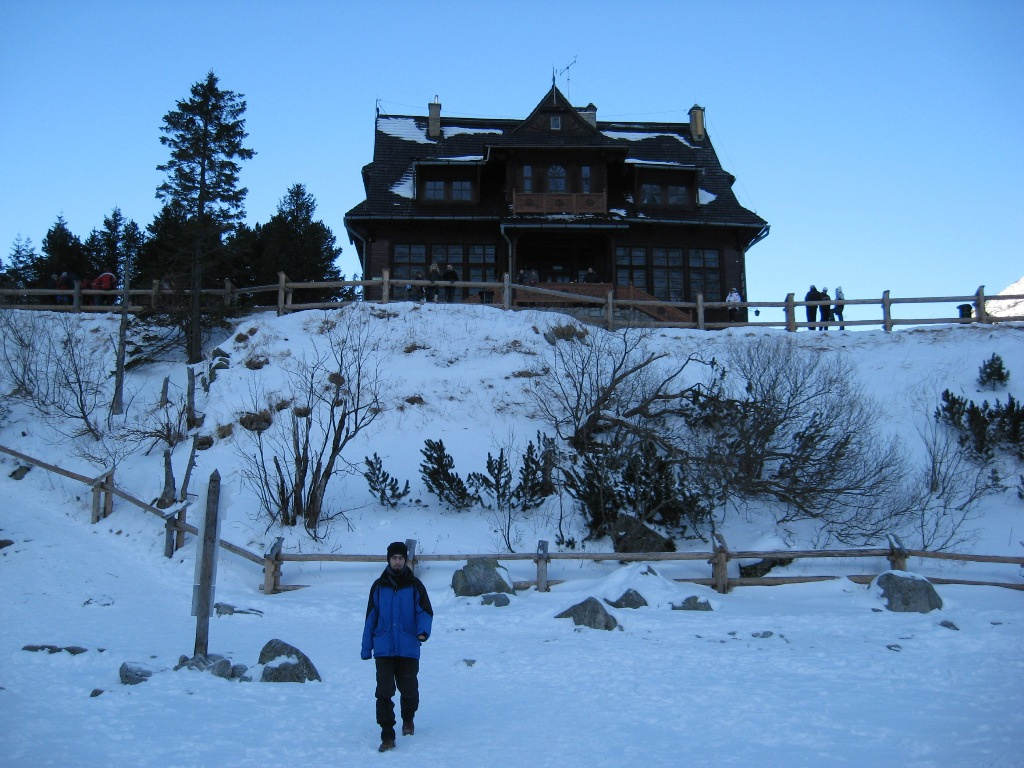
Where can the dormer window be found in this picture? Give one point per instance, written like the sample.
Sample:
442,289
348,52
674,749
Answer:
433,190
556,122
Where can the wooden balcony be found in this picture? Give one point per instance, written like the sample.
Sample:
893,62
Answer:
564,202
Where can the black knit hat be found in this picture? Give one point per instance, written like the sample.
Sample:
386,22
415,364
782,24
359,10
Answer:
398,548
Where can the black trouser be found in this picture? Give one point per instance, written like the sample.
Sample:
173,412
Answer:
395,671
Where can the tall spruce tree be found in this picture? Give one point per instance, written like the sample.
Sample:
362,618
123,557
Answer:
62,252
115,246
205,135
294,243
19,262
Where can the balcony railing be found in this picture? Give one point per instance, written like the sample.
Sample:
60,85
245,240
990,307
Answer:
559,202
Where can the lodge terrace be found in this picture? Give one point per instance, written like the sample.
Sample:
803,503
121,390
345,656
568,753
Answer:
646,206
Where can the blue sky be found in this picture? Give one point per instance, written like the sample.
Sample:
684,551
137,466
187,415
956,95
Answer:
881,140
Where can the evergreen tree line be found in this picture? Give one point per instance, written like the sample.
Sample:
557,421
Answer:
198,238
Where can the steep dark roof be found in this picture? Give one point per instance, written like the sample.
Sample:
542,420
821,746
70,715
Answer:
401,142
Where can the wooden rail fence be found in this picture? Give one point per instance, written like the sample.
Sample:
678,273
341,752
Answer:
718,558
614,311
103,491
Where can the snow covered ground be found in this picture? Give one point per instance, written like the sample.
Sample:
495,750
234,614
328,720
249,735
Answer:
801,675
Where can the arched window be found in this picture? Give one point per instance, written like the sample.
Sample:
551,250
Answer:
556,179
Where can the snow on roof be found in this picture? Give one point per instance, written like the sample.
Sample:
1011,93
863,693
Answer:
462,159
640,136
404,187
638,161
455,130
404,128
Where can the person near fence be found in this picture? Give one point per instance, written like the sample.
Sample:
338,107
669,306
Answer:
733,299
837,308
449,276
825,310
591,276
64,283
433,275
105,282
398,621
812,311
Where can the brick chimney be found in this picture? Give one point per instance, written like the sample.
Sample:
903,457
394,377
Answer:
697,123
434,119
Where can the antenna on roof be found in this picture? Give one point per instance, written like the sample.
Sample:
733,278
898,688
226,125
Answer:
568,81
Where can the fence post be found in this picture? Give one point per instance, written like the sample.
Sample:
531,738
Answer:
720,564
76,300
609,310
790,310
542,566
897,553
206,567
385,286
886,313
700,311
281,279
272,567
410,544
153,297
227,291
979,305
506,291
170,524
102,498
180,516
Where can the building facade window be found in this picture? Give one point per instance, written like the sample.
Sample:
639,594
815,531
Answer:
443,254
667,274
631,267
408,260
462,191
482,265
705,274
527,178
556,179
556,122
585,179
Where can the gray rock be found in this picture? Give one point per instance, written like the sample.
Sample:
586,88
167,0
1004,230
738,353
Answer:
133,673
221,668
479,576
284,663
500,599
590,613
949,625
238,671
907,593
630,535
693,603
629,599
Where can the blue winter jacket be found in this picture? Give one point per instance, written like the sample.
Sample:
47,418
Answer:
398,610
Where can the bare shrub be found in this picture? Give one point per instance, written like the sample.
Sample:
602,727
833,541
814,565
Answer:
335,393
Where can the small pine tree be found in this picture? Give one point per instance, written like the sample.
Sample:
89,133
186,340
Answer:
992,373
496,483
383,485
440,478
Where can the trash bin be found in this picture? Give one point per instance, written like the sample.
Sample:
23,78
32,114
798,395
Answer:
966,311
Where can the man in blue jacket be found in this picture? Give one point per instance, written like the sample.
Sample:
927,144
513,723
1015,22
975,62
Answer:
398,621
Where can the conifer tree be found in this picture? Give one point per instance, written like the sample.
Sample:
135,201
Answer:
205,135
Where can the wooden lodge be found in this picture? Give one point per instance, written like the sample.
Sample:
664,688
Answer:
646,206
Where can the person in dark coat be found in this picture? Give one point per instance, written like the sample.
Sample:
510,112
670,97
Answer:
591,276
812,311
825,310
398,621
449,276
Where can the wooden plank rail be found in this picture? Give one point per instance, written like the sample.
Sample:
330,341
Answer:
511,295
174,520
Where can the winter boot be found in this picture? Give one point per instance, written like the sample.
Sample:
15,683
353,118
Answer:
408,729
